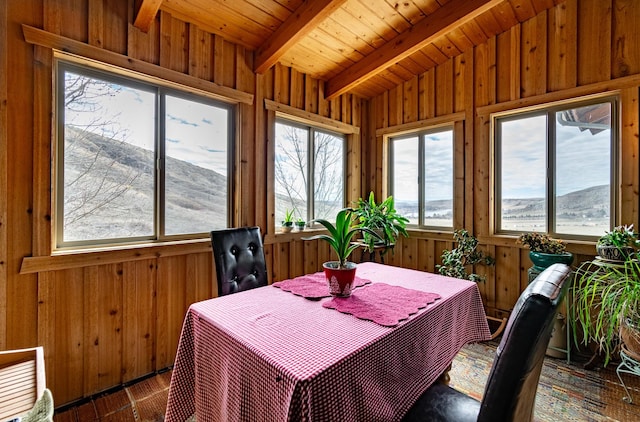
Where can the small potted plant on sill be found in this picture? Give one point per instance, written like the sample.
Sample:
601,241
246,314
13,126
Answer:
287,223
341,273
618,244
300,224
382,218
545,250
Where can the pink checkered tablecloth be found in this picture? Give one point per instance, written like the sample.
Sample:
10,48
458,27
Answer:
269,355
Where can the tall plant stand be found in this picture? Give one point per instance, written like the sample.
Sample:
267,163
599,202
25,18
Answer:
627,366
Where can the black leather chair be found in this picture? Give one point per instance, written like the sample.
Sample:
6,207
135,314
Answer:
239,258
511,388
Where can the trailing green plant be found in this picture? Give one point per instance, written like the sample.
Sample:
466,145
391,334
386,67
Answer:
382,217
456,261
341,234
620,237
605,295
542,242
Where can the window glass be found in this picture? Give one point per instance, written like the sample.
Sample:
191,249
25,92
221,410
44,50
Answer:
583,170
196,140
523,173
137,161
555,171
108,160
328,175
438,179
422,177
311,185
404,184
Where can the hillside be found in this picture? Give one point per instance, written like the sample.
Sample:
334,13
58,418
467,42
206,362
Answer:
109,191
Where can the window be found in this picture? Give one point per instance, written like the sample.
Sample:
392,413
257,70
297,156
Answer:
555,170
421,177
309,171
137,161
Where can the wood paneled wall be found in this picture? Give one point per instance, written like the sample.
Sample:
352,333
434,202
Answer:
577,48
106,318
109,317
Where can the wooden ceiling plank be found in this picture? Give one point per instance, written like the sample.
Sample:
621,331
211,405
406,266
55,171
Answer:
523,9
342,25
474,32
447,47
146,11
304,20
505,16
236,32
421,58
460,39
454,13
408,10
272,8
355,10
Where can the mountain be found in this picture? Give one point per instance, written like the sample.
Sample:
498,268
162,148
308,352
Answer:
109,191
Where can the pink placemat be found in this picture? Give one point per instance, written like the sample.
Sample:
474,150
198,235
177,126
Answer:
313,286
382,303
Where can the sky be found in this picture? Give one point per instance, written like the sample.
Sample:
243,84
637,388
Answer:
438,167
195,132
582,159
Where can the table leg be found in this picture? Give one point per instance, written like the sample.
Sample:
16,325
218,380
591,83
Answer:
444,377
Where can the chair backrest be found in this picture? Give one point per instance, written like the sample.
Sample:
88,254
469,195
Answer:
239,258
511,388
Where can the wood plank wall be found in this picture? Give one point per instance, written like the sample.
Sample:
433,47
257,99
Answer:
105,323
577,48
106,319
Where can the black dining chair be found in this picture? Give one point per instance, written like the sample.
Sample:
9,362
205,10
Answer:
510,391
239,258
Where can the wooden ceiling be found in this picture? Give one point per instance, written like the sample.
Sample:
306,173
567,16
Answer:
360,46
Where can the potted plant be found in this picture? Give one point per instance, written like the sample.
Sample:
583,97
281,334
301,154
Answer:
287,223
456,261
545,250
381,218
300,223
606,306
341,273
618,244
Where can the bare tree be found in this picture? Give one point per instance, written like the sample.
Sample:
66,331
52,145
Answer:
96,172
292,172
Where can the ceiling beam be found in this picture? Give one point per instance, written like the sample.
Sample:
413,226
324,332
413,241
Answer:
451,15
302,21
145,13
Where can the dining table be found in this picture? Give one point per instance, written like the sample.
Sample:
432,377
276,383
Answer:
291,352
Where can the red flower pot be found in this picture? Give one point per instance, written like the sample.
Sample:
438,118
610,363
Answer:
340,279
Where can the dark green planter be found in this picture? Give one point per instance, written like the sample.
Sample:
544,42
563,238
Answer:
543,260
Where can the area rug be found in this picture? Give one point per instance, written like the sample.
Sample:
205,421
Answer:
565,392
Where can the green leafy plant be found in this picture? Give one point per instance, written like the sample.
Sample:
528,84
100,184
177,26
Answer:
604,296
455,262
341,234
288,218
542,242
382,218
620,237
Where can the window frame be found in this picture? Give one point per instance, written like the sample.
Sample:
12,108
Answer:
275,110
161,89
421,134
548,110
311,131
